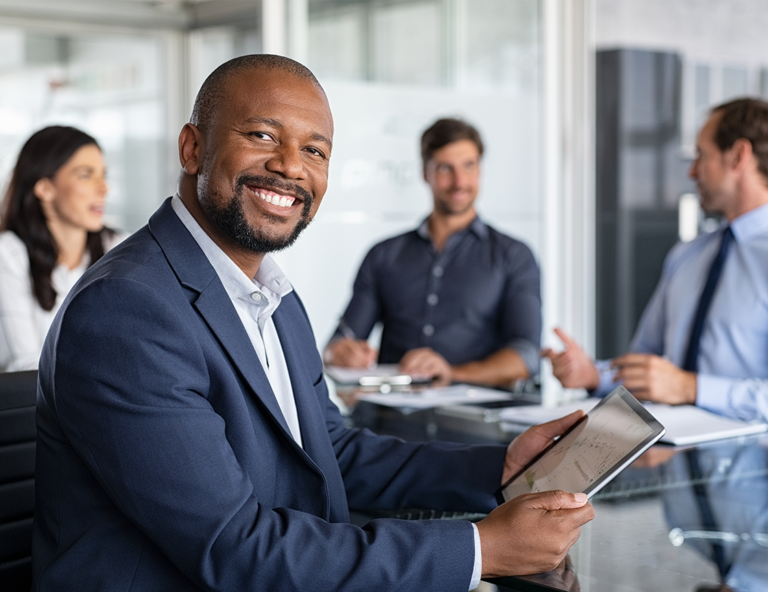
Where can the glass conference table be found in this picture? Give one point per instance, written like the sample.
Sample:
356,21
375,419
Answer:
679,519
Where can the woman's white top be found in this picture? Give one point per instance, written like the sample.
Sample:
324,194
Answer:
23,322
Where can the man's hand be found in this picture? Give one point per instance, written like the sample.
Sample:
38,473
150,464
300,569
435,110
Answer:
532,533
572,367
427,363
527,445
350,353
653,378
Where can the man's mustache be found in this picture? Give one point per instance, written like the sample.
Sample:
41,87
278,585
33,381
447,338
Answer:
276,184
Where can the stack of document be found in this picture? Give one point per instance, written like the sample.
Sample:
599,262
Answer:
374,376
457,394
686,424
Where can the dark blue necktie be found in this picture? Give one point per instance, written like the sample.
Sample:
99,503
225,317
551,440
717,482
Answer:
706,513
690,363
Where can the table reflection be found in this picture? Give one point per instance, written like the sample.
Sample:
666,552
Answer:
710,501
563,578
723,512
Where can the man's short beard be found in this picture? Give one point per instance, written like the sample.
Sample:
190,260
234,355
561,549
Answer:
231,218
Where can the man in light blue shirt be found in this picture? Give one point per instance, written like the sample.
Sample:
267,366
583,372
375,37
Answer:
731,375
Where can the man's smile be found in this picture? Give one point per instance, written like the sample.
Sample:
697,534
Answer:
271,197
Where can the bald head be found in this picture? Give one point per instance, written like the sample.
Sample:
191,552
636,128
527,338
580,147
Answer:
213,91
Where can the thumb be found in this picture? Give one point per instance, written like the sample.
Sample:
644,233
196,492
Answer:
557,500
557,427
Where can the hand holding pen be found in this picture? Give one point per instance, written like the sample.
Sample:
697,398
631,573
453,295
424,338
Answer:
348,351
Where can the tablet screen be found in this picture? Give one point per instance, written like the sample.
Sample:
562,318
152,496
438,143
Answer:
598,447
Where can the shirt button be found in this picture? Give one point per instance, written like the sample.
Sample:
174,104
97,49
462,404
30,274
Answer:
437,271
257,296
432,299
428,330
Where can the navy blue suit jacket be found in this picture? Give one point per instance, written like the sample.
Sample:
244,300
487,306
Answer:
164,462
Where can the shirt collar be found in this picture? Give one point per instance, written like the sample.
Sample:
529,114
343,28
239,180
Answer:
751,224
235,281
477,226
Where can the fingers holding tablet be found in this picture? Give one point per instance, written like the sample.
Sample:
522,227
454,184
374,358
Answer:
523,449
591,452
538,520
532,533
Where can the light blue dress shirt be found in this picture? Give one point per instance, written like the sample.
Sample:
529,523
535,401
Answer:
733,358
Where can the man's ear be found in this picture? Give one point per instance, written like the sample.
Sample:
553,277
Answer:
741,153
190,149
44,190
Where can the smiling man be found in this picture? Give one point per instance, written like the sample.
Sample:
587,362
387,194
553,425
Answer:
458,300
703,336
186,440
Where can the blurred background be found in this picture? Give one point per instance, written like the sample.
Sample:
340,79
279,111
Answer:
589,110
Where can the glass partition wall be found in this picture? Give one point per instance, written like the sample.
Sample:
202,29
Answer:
127,72
111,86
390,69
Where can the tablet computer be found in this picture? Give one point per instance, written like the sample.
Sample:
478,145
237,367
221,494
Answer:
592,452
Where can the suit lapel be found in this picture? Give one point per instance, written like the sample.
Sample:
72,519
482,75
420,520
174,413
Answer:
314,432
196,273
225,324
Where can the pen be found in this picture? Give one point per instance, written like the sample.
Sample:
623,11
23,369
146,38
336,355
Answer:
346,331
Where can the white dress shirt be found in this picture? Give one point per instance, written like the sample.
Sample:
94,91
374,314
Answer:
23,322
254,299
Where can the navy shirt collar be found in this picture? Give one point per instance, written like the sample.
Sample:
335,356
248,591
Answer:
477,227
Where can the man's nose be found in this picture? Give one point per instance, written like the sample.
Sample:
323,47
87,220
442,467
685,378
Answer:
286,161
461,178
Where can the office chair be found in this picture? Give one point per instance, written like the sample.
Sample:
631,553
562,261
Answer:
18,393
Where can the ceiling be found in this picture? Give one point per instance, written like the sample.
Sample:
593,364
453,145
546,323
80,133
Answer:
156,14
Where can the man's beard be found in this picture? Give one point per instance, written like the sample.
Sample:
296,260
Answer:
231,218
449,209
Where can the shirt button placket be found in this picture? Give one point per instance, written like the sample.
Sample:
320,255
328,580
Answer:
432,298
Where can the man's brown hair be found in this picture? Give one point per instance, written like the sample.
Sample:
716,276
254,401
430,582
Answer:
446,131
744,118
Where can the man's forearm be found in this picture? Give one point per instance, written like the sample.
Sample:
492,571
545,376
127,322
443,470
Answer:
498,369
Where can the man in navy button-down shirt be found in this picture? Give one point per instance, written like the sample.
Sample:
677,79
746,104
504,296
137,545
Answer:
459,301
731,173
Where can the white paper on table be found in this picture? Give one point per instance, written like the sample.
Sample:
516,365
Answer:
685,424
359,375
688,424
456,394
535,414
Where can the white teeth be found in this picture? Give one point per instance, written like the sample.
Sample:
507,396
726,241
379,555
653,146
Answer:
277,200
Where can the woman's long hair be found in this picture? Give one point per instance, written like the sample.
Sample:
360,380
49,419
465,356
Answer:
41,157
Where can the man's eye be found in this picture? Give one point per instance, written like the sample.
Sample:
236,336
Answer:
315,151
260,135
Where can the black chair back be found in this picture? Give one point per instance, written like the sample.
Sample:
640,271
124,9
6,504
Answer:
18,393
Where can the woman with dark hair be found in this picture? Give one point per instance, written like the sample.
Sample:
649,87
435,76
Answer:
51,231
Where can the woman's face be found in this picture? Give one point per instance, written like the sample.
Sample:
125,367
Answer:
76,194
